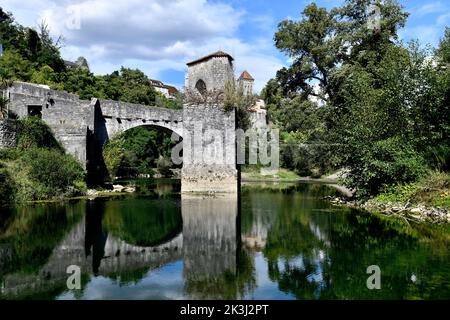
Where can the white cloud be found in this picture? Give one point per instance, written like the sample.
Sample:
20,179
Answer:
153,35
430,8
426,34
443,19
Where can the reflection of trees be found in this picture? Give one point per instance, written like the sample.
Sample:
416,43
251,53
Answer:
315,250
29,237
34,231
146,222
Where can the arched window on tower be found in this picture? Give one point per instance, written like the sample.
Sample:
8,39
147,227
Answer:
201,87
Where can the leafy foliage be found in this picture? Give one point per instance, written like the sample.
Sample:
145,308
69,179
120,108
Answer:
138,151
37,168
356,97
33,133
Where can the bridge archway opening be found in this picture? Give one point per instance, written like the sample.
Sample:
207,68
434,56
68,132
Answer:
142,151
146,223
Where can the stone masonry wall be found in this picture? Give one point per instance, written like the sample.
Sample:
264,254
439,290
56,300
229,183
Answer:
67,116
7,134
120,116
209,149
215,72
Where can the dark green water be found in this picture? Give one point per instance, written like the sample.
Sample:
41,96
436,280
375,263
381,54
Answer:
276,242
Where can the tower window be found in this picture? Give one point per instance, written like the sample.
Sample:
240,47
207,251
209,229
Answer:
201,86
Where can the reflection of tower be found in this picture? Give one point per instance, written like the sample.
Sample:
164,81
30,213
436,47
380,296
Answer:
95,238
246,82
209,244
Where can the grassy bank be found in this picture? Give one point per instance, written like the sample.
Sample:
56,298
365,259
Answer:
38,168
431,191
250,172
427,199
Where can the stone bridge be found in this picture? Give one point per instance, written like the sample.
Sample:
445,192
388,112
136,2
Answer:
116,117
83,127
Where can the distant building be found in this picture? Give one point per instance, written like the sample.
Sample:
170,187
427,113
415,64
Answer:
166,90
70,64
258,113
80,63
246,81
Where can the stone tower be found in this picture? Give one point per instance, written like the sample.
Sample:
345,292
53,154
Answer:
209,136
246,81
209,73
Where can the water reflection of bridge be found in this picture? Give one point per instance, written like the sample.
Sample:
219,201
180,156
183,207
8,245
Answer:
116,257
207,245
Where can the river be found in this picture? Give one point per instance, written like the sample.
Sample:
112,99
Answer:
275,241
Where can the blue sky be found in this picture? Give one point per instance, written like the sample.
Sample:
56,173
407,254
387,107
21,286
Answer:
160,36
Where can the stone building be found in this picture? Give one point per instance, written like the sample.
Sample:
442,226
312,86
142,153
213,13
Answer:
258,113
209,149
209,73
246,82
165,90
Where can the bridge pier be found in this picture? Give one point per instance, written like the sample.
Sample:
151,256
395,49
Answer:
209,149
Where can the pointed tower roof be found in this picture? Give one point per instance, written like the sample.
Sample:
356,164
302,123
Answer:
246,76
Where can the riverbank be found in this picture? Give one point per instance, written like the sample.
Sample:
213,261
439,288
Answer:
287,176
425,200
413,212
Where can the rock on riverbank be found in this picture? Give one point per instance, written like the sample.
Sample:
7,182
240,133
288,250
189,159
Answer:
409,211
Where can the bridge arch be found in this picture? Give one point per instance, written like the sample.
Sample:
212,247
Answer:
113,117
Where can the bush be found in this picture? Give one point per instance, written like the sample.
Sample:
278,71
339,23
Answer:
433,189
38,168
7,189
56,173
386,162
113,154
32,132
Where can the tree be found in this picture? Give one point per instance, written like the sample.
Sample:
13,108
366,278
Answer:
443,51
4,84
313,47
13,66
49,49
322,40
385,115
46,75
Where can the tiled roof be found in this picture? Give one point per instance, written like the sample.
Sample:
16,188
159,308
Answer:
245,75
172,89
209,56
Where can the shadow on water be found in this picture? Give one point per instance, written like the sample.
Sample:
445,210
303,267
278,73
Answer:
277,241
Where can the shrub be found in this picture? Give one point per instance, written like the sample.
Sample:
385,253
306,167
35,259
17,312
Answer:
386,162
433,189
7,189
32,132
113,154
54,173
